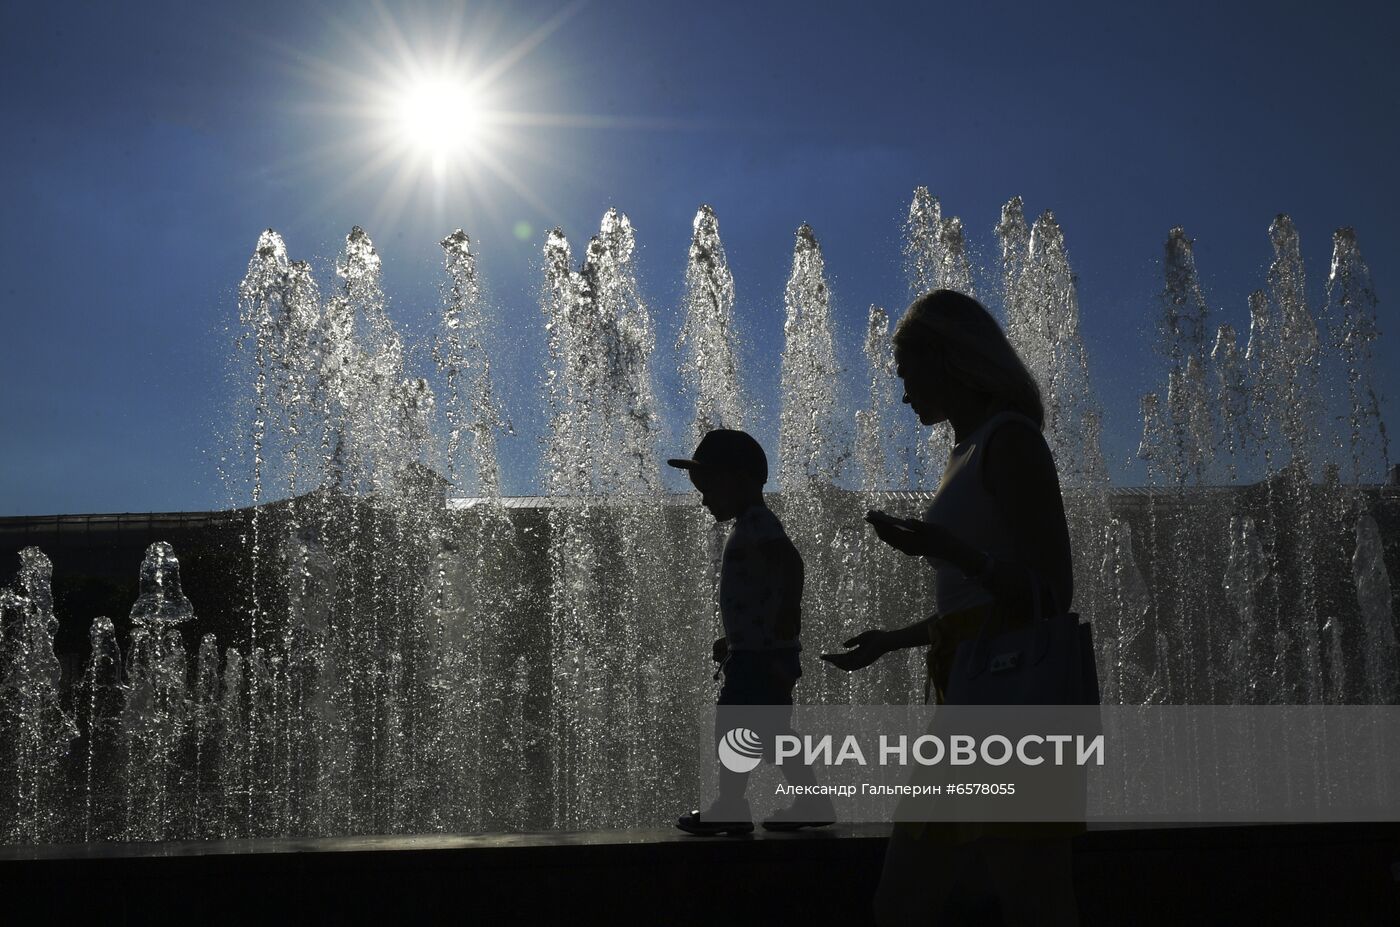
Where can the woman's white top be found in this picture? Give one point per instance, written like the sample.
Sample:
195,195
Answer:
963,506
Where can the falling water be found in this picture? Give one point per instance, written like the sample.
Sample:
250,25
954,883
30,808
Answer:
404,664
812,447
471,409
161,600
157,712
1231,400
879,579
1373,592
1053,349
935,249
1183,342
460,645
37,732
100,699
469,584
1352,307
208,812
935,257
709,348
707,336
1246,570
1127,649
605,565
1294,375
809,448
873,423
1295,389
1183,453
1042,324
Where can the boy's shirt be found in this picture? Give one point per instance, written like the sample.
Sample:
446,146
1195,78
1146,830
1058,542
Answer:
760,584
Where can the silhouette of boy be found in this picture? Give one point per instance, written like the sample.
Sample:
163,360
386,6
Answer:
760,603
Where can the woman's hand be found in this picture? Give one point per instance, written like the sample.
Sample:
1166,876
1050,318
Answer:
869,646
910,535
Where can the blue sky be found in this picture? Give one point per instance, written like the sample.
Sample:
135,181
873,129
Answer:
148,145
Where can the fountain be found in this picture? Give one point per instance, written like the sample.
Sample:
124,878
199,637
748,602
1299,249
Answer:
398,661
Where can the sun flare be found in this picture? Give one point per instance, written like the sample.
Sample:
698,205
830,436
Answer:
438,110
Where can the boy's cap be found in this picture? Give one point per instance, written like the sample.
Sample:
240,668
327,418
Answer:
726,449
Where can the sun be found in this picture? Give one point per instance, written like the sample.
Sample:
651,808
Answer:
439,118
439,110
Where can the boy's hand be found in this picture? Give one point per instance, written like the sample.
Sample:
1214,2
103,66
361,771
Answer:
869,646
721,649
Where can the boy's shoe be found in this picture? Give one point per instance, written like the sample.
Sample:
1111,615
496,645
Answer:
733,820
814,811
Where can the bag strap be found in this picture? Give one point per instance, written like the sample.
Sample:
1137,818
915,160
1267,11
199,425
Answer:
1039,624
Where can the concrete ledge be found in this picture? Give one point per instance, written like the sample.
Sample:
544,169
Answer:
1278,874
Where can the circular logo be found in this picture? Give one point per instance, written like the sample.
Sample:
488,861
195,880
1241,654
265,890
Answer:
740,750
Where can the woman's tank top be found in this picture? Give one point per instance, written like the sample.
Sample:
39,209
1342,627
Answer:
963,506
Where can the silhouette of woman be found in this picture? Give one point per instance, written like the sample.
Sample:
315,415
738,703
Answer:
996,523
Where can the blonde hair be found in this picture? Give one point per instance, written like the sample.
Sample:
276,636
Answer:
952,328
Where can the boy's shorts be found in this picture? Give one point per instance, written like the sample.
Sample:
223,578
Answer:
760,677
